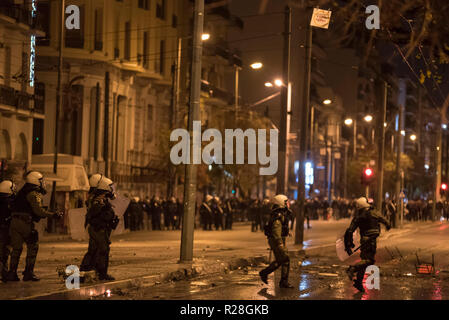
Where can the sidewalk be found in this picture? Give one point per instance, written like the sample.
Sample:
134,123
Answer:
146,258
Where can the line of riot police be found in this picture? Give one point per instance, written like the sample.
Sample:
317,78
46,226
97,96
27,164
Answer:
19,212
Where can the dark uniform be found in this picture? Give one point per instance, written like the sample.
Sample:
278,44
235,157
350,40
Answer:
88,262
229,212
5,220
101,221
206,216
26,210
368,221
156,214
276,231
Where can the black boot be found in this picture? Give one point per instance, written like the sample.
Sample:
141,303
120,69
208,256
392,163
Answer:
12,276
28,274
263,277
105,277
359,286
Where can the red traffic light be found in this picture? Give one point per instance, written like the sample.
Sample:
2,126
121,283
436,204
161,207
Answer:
369,172
443,186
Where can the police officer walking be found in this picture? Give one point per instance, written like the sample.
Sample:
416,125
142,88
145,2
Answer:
368,221
26,209
88,261
101,220
7,191
276,231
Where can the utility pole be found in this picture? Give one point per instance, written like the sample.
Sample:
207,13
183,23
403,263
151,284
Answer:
190,184
106,124
58,104
299,230
438,147
399,139
282,176
381,143
345,175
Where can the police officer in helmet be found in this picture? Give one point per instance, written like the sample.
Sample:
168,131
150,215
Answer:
88,261
26,209
276,231
368,221
7,192
101,220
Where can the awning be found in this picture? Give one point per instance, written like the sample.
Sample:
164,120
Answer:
70,177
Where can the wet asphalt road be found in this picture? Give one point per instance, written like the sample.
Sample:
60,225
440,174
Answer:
321,276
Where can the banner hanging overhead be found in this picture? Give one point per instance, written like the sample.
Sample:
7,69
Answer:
321,18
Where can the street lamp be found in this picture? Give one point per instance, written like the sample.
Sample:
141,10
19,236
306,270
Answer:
413,137
278,83
268,85
205,36
368,118
349,122
327,102
257,65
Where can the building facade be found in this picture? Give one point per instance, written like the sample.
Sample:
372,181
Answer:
19,113
116,85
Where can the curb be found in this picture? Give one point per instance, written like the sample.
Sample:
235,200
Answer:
186,272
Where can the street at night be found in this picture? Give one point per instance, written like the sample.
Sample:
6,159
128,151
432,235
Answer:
224,158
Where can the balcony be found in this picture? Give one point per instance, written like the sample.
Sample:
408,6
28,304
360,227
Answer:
17,12
13,98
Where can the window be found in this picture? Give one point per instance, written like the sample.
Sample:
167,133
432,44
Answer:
98,42
174,22
39,98
74,38
160,10
43,20
162,57
144,4
146,50
38,136
150,124
128,41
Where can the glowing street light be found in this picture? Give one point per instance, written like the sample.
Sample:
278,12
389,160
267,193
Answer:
368,118
349,122
327,101
413,137
205,36
257,66
268,85
278,83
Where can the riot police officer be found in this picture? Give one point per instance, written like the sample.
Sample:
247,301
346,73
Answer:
368,221
26,209
206,213
88,261
101,220
7,191
276,231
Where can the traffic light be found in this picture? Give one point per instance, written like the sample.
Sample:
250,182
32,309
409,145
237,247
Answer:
367,176
443,189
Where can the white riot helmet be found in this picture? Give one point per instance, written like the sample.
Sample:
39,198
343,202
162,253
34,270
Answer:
105,184
280,201
209,198
136,199
7,187
94,180
362,203
35,178
217,199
